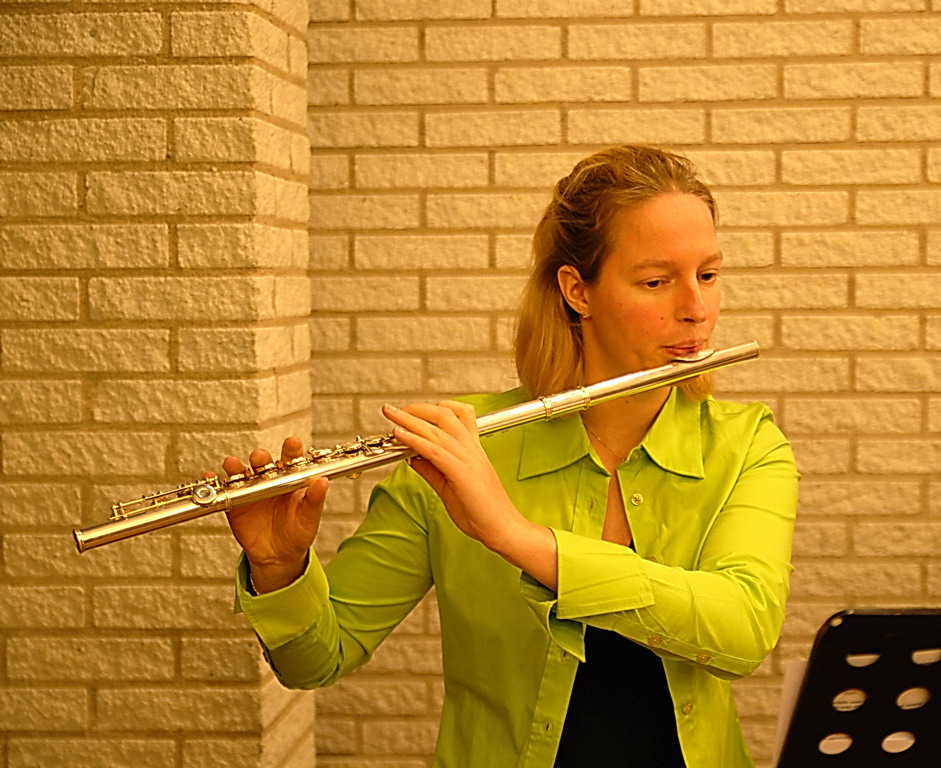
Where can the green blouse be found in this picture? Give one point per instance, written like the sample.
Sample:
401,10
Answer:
711,495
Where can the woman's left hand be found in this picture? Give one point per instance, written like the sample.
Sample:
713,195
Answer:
453,462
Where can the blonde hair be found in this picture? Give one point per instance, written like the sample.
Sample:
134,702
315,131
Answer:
576,230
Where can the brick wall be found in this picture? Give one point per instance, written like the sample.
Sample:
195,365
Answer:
154,303
436,129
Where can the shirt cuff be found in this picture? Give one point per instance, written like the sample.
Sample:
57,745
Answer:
287,613
598,577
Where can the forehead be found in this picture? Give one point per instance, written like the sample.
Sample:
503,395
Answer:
665,226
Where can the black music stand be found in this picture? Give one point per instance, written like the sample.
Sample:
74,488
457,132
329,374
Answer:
871,695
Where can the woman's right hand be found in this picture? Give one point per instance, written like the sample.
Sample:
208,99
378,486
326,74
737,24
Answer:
277,533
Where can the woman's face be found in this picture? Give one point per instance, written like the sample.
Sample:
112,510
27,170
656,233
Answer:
657,293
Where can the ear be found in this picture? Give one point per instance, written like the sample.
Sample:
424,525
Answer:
573,289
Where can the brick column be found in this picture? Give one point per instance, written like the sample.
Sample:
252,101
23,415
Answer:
154,301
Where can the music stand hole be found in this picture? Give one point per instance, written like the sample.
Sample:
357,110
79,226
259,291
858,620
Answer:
898,742
835,743
926,656
913,698
862,659
849,700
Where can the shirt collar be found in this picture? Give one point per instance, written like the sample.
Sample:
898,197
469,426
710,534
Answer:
673,442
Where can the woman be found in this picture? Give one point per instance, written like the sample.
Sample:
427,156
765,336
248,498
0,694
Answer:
600,578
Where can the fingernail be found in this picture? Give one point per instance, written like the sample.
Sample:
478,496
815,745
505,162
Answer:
389,407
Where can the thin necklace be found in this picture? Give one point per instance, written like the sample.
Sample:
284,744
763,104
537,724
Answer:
604,444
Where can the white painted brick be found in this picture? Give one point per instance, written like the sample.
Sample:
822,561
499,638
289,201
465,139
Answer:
493,43
852,6
862,248
754,291
844,167
898,290
409,10
404,252
39,607
92,752
86,349
899,122
373,211
38,194
191,709
504,210
213,659
28,504
81,34
781,125
83,246
84,453
44,709
165,607
561,8
813,539
35,87
860,497
71,659
846,81
907,457
624,42
759,208
714,82
84,140
933,333
329,172
43,554
374,697
479,293
735,168
426,334
39,402
329,88
645,126
903,36
365,293
822,456
382,737
766,38
789,374
735,328
234,246
454,376
523,85
538,170
356,375
362,44
175,298
234,750
860,580
489,127
746,248
906,539
851,332
853,415
390,86
421,170
513,251
897,374
363,129
703,7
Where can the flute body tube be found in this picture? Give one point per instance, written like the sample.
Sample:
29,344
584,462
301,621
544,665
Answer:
189,501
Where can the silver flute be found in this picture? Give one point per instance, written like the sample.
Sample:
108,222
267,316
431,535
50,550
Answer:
215,494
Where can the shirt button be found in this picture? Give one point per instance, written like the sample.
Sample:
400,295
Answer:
687,707
655,641
637,499
703,658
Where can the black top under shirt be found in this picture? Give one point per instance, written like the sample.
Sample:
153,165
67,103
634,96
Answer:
620,714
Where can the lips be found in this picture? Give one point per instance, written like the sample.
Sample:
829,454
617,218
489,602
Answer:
683,348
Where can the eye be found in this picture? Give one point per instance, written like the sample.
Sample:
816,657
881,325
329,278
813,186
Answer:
656,282
709,276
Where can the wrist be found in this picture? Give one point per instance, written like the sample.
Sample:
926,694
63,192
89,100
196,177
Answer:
269,577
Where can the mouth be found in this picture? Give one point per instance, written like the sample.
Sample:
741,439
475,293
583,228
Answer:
684,348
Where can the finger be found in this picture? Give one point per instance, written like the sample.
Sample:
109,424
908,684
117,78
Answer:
291,448
233,465
464,411
208,474
259,458
432,422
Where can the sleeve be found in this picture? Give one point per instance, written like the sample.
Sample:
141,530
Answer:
329,621
725,614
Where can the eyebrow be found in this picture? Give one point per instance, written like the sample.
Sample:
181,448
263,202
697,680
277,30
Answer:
716,257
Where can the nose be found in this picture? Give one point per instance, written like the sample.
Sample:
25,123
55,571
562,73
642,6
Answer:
691,306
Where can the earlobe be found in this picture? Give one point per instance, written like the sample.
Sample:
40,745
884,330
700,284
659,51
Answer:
573,290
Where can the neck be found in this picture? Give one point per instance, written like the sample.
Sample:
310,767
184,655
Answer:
619,425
